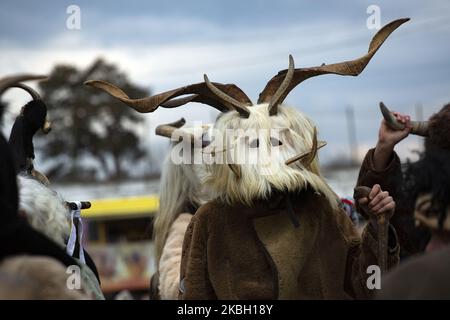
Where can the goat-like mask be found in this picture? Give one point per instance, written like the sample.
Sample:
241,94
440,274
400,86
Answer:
295,165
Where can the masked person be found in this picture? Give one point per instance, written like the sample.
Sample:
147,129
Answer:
274,229
181,195
382,165
31,265
423,187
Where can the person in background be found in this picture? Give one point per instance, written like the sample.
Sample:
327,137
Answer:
382,166
23,250
48,213
181,194
427,181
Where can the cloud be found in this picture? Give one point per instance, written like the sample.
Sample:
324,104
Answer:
162,49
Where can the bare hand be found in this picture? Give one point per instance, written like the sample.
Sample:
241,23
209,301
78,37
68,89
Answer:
378,203
390,137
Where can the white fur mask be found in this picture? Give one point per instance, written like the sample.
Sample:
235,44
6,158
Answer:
283,136
45,209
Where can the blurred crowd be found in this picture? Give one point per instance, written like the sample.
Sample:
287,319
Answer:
41,247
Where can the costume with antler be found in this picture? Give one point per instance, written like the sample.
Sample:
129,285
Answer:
43,209
24,251
16,235
180,197
33,117
423,181
274,229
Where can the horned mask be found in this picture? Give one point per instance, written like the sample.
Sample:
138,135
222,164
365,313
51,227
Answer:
296,142
16,82
21,156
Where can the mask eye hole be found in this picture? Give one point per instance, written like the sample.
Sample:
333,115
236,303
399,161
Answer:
254,143
275,142
206,140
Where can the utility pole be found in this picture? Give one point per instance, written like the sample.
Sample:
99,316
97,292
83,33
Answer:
419,117
351,130
419,112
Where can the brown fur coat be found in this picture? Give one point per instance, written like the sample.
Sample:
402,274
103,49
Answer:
238,252
412,239
35,278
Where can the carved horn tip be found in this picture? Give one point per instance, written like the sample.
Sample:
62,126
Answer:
417,127
91,83
291,60
97,83
389,118
278,95
179,123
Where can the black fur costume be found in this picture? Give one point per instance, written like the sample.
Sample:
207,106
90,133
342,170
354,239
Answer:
31,119
431,173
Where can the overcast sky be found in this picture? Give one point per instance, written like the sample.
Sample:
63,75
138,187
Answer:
162,45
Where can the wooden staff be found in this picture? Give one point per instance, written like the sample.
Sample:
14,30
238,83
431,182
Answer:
383,228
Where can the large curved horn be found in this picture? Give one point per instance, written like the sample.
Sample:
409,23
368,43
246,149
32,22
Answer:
47,127
282,88
237,105
33,93
198,92
419,128
346,68
8,82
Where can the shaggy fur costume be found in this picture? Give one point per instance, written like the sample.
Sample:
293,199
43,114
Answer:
439,128
240,252
245,245
46,212
45,209
23,130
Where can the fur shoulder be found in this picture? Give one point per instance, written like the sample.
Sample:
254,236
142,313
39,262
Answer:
347,228
211,210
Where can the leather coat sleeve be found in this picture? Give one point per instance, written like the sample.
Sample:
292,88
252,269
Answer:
411,239
390,178
362,252
362,255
